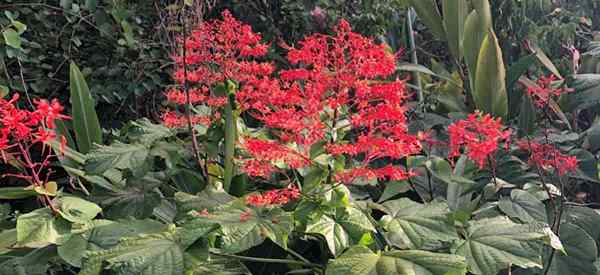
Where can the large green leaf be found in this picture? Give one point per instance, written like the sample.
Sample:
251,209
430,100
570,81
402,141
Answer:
429,13
215,265
493,244
85,120
77,210
527,116
412,225
40,228
97,235
586,92
361,261
12,38
340,228
455,13
524,206
32,263
243,228
210,198
581,252
151,254
490,78
586,218
15,193
477,24
117,155
138,198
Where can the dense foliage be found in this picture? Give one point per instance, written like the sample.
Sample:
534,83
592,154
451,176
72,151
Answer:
299,137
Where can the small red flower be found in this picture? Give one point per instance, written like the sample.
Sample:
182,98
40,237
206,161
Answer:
544,92
479,135
547,156
274,197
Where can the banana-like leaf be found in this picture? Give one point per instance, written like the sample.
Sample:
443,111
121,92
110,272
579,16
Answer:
429,13
85,120
490,78
477,24
455,13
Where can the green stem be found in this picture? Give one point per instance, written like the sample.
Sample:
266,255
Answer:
413,49
266,260
230,140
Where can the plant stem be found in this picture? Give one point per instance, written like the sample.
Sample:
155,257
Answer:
230,140
413,56
267,260
186,90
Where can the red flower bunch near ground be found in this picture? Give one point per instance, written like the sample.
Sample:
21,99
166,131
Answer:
21,130
479,135
274,197
543,92
215,51
341,83
547,156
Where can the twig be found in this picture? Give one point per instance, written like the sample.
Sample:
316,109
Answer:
267,260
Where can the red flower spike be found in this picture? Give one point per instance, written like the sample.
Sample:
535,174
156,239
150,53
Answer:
274,197
544,92
216,51
479,135
342,78
21,130
547,156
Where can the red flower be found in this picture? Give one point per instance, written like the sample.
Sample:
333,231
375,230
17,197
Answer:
340,87
479,135
543,92
274,197
265,153
215,51
547,156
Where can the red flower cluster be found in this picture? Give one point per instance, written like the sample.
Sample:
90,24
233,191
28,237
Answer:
479,135
341,84
547,156
265,152
215,51
21,129
274,197
543,92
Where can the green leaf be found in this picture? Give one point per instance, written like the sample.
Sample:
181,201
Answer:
20,27
102,234
524,206
85,120
411,225
545,60
243,228
8,238
394,188
586,93
12,38
492,244
117,155
35,262
455,13
15,193
490,78
147,133
361,261
429,13
128,33
476,28
211,198
215,265
3,91
581,252
151,254
341,228
516,70
40,228
77,210
586,218
527,116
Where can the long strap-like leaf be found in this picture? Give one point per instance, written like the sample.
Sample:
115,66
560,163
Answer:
85,120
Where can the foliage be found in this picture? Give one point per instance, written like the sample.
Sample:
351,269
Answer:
292,142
